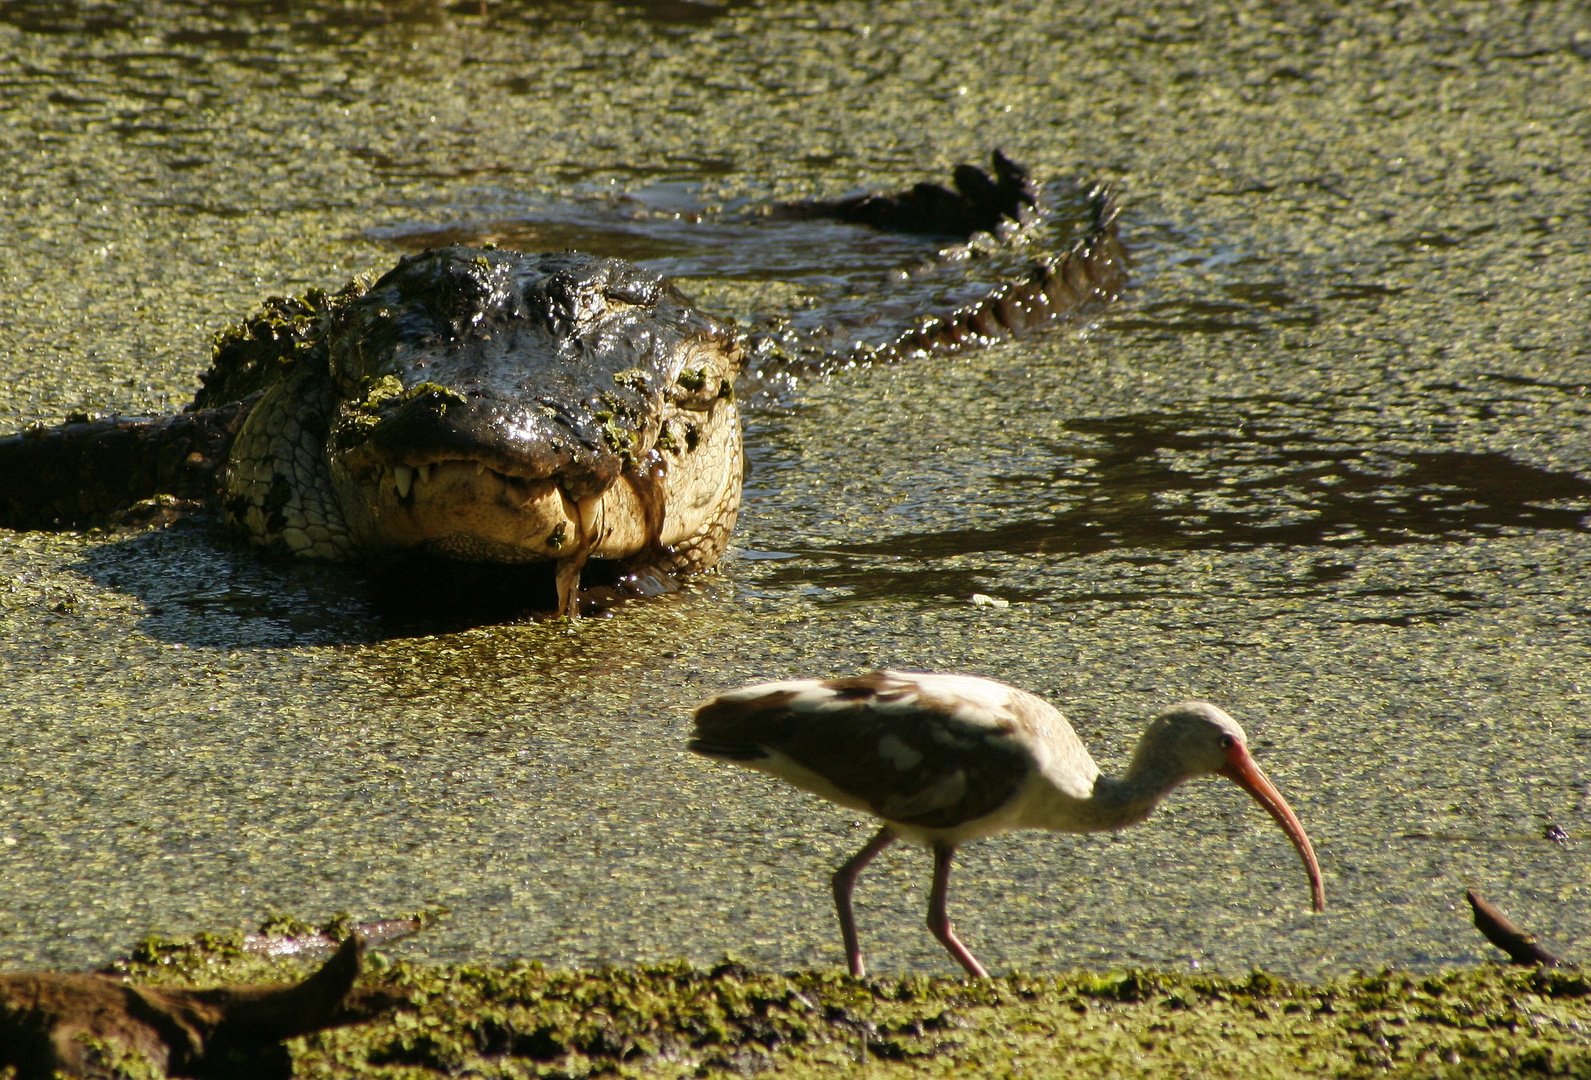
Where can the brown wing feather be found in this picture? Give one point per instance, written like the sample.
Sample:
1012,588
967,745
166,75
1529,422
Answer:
919,765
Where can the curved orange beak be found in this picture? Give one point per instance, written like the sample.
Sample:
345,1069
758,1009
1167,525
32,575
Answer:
1241,770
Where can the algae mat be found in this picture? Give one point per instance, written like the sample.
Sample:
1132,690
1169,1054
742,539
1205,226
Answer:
1326,465
673,1020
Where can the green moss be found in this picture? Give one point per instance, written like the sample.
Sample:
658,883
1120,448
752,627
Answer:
260,350
617,418
380,389
382,399
115,1061
634,379
380,392
666,440
668,1020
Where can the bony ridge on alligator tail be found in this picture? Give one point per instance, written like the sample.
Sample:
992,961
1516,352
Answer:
489,406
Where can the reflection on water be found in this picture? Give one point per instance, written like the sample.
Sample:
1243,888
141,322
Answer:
1184,482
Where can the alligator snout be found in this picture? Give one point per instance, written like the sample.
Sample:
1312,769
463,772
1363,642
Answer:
438,425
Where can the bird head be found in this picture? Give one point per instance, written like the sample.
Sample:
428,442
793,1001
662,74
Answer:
1195,738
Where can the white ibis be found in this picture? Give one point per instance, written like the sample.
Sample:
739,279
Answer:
944,759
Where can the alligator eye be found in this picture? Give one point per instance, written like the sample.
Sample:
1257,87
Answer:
640,292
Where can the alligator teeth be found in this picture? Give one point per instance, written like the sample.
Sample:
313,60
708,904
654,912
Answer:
405,478
480,467
425,473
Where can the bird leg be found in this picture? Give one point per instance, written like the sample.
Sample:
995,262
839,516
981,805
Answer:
939,915
844,881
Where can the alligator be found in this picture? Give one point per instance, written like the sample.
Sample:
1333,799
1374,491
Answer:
489,406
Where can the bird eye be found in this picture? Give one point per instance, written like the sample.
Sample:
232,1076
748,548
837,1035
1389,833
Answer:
1227,742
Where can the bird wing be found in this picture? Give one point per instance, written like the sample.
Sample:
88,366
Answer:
909,751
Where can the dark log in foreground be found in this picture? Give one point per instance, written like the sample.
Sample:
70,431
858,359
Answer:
1497,929
96,1027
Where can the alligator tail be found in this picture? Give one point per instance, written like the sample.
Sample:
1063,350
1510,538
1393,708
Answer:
1000,213
1090,273
981,202
78,473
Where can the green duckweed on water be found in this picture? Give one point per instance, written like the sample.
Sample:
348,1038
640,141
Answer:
677,1020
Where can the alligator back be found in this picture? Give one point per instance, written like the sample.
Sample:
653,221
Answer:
75,474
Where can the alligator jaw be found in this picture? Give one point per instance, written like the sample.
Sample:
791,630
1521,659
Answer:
656,512
465,510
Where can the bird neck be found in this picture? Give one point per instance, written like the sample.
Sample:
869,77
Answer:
1115,801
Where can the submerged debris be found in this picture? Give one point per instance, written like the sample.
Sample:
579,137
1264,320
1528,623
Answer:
1497,929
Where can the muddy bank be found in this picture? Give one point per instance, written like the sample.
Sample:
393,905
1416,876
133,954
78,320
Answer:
675,1020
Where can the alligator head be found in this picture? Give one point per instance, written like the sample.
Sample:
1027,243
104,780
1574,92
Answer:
490,406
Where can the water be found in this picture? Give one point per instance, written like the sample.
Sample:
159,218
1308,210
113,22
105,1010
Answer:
1325,465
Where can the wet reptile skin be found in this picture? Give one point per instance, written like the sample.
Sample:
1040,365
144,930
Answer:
488,406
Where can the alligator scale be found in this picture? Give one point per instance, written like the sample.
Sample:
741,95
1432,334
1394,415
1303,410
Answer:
488,406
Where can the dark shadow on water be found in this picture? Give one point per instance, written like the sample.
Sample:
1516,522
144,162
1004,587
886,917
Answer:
203,589
64,17
668,13
1167,483
1188,317
338,21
